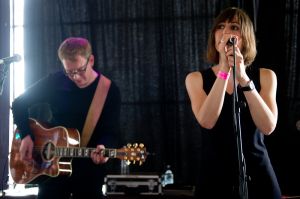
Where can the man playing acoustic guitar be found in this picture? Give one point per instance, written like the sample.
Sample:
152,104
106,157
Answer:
69,94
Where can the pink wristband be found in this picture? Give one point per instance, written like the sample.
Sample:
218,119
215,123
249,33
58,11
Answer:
223,75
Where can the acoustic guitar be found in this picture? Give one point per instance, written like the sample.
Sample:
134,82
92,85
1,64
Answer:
54,149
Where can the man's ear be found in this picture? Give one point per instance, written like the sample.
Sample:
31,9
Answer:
92,59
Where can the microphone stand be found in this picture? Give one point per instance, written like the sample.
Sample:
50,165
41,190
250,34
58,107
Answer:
3,74
243,188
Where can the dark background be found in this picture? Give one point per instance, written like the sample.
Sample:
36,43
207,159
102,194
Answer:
148,47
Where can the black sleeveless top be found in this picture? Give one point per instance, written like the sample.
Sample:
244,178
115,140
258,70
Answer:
219,170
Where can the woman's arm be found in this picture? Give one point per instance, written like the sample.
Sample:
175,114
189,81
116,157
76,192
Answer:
262,105
206,108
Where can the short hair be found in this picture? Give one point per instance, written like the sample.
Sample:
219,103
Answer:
247,33
73,46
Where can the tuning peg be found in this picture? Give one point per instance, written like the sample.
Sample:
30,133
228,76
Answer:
140,163
135,145
142,145
129,145
128,162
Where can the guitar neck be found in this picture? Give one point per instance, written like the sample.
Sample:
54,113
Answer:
82,152
131,154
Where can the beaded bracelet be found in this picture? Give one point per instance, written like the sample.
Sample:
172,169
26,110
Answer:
223,75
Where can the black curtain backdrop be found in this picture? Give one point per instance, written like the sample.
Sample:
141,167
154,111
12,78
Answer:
290,120
148,47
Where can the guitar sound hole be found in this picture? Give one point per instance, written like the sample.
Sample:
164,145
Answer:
48,151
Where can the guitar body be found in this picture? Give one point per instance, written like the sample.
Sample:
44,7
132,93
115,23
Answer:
44,162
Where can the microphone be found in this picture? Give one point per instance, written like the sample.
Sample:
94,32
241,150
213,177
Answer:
231,41
9,60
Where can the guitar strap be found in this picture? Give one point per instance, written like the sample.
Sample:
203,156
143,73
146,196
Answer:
95,109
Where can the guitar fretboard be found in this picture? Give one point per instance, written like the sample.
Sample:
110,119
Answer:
83,152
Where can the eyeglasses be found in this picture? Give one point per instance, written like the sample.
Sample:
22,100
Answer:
80,71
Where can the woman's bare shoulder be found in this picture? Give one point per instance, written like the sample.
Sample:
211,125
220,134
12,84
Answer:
194,75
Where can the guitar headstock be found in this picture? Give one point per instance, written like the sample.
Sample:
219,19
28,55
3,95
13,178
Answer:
133,153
